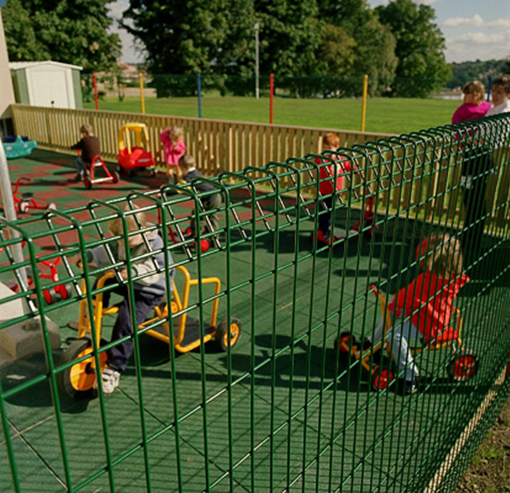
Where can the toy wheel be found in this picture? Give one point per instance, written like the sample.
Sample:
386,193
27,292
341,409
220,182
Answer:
50,295
464,365
204,245
78,380
115,177
87,183
344,342
23,207
51,206
228,330
65,290
382,377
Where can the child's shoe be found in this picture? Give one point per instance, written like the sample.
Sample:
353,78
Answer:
110,379
322,238
409,386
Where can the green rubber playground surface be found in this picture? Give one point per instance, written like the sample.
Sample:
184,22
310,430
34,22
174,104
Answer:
278,412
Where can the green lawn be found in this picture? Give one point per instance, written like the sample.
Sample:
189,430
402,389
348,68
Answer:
384,115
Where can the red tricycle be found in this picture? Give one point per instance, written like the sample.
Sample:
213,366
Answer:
27,200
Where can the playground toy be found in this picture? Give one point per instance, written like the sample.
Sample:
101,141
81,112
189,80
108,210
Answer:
79,379
50,295
27,200
89,175
376,360
135,154
17,146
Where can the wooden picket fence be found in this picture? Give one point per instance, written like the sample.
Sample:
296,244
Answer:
421,170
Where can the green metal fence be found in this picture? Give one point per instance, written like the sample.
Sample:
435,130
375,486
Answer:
272,384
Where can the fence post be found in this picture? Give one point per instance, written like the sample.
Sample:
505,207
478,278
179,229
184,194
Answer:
489,89
271,91
364,102
94,85
199,89
140,75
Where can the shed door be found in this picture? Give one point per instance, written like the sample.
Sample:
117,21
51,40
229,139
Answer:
50,86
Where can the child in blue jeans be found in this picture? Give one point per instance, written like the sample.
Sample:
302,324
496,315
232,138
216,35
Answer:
422,310
149,286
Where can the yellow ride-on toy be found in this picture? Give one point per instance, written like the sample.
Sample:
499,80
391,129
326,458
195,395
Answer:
79,380
376,359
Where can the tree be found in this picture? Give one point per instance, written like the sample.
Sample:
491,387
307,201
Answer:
420,48
373,51
191,37
72,32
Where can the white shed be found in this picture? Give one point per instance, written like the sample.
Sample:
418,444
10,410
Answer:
51,84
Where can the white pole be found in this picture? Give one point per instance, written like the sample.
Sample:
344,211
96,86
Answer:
256,60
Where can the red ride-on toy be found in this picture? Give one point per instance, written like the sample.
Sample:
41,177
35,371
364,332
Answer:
90,177
52,294
26,200
376,360
135,154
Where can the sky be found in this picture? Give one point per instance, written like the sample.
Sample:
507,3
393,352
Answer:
473,29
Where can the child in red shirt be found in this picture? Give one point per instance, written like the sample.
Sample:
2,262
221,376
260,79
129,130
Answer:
423,309
328,184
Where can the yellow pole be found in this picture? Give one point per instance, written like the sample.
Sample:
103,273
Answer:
141,92
364,103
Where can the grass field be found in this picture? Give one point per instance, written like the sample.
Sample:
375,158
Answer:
384,115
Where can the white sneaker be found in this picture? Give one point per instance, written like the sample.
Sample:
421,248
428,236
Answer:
110,379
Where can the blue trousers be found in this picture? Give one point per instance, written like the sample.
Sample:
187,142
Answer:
118,356
398,337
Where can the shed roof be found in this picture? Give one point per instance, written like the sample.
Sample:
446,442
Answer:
21,65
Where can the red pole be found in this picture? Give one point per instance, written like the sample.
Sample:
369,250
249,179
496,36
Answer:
271,91
95,89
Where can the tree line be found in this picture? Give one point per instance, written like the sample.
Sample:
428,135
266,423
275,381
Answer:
325,42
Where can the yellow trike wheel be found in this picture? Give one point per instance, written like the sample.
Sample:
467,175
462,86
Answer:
78,381
226,331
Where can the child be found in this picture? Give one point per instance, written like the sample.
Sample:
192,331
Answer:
500,96
211,202
474,105
89,146
327,186
172,140
423,309
148,290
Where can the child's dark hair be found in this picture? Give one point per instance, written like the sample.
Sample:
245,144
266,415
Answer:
503,81
87,129
187,161
440,254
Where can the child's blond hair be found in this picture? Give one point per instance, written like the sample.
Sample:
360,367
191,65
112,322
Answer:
187,161
135,222
175,133
440,254
475,88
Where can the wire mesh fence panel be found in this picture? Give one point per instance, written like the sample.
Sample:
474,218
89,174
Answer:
330,322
